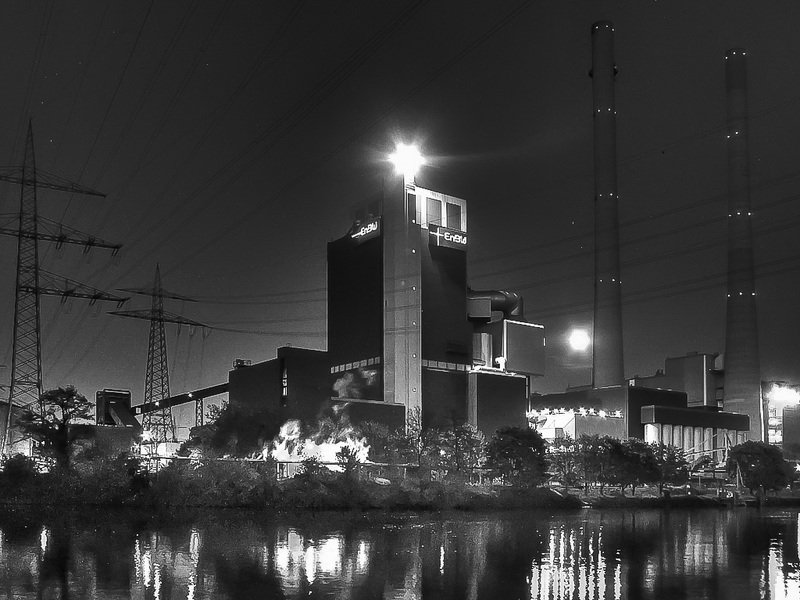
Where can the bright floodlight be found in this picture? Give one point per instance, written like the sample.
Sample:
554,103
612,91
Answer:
579,340
407,160
783,395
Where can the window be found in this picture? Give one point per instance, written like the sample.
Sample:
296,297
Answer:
434,211
412,208
454,216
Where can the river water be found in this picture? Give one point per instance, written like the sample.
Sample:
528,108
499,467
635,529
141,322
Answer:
586,554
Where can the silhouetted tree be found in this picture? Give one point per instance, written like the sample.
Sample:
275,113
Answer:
517,454
673,468
592,459
237,430
639,464
761,466
564,460
61,408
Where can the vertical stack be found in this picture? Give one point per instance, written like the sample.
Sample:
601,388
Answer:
742,368
607,365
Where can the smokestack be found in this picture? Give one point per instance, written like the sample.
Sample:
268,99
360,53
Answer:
742,369
607,366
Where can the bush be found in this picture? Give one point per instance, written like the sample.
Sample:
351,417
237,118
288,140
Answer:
211,483
19,468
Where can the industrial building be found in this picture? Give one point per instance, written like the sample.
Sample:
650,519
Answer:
652,415
679,405
405,333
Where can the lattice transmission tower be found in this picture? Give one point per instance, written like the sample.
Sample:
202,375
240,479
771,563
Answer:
160,423
32,282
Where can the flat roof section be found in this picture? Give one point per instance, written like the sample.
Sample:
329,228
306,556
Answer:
694,417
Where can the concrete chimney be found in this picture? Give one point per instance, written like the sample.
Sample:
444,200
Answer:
742,366
607,368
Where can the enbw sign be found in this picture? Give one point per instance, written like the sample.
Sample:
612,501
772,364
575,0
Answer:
447,238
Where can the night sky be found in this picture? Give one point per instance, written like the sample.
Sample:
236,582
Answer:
232,139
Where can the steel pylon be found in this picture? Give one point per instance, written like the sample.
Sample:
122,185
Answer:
156,382
26,363
160,423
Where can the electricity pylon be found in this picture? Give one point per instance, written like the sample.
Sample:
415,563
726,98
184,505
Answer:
160,423
33,282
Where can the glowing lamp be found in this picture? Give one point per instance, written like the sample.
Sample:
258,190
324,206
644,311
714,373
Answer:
579,340
407,160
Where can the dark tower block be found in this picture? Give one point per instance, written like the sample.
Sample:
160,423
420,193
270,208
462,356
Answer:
399,340
742,369
607,366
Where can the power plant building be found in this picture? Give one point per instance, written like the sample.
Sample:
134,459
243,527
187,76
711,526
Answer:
407,338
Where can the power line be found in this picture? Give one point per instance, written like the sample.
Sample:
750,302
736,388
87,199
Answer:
111,102
289,120
424,84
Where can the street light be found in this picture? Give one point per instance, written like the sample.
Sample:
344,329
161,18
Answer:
407,160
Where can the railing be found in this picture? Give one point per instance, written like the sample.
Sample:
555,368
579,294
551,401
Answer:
369,471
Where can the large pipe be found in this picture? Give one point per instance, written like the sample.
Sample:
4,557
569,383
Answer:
607,366
509,303
742,366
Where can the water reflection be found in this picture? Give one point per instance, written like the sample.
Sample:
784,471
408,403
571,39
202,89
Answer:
581,555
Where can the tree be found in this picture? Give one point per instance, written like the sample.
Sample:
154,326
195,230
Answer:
761,466
237,430
414,439
52,428
467,447
564,459
629,463
640,465
214,412
592,459
348,460
518,454
673,468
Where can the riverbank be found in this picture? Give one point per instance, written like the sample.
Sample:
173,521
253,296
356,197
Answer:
336,493
253,486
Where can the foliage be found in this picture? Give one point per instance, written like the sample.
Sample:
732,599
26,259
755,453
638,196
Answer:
518,455
210,483
214,412
639,465
761,466
465,447
238,431
385,445
564,461
19,468
592,453
673,468
347,459
415,436
52,427
608,461
310,467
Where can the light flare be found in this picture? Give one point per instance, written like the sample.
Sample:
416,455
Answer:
407,160
780,396
291,446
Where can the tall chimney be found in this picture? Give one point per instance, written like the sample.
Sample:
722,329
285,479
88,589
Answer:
607,339
742,369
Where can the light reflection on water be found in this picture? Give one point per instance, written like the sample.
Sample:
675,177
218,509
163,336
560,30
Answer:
577,555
